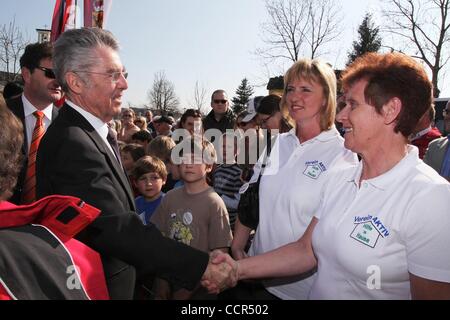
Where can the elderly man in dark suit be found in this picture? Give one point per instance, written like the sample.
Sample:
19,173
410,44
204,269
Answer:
40,93
79,157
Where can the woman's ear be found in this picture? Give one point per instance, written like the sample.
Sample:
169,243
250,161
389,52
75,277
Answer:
391,110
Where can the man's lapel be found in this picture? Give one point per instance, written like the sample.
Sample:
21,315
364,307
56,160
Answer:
113,163
16,106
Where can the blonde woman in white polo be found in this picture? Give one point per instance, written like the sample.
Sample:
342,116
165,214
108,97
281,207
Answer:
382,229
300,160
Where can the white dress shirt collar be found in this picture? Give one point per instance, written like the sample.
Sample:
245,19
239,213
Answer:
99,126
29,109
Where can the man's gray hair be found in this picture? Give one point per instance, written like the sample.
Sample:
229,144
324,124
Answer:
74,51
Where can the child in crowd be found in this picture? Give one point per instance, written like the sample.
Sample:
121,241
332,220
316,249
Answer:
149,176
130,153
161,147
193,214
142,137
227,176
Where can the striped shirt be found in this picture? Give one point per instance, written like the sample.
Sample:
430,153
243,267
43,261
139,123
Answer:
227,182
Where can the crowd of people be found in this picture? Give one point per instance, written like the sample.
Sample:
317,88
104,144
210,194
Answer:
149,204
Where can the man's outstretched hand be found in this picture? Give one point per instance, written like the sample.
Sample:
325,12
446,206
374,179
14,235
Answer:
221,273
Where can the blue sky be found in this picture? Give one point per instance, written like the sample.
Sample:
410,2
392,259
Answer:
210,41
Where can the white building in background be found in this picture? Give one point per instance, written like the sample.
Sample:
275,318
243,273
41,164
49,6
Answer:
43,35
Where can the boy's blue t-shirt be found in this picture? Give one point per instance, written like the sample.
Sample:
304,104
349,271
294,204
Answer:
145,209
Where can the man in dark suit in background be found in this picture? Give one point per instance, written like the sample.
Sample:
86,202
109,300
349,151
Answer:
40,93
78,157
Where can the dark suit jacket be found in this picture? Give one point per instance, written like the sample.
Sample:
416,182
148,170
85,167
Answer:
16,106
74,160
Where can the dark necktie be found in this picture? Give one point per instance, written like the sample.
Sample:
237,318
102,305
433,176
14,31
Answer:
112,139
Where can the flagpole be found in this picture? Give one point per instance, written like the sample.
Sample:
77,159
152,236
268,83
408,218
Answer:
76,10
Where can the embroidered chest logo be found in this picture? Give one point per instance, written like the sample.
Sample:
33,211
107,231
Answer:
368,230
314,169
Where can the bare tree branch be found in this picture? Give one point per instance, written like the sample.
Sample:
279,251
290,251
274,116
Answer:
325,27
199,101
162,94
12,44
425,25
298,28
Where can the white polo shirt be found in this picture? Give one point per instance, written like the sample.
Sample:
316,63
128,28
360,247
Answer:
289,196
368,238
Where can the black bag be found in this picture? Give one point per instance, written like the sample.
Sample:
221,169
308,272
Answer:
248,208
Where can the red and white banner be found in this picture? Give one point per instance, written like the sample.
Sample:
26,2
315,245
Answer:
96,12
64,17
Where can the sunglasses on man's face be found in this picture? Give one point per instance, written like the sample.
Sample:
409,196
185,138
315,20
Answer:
47,72
218,101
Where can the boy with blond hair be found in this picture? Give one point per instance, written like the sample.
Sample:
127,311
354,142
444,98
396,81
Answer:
193,214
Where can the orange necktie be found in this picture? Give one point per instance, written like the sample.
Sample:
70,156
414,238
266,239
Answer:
29,189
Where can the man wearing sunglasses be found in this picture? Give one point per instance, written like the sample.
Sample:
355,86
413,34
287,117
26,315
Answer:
221,117
36,109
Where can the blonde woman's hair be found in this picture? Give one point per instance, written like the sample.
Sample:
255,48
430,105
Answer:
321,73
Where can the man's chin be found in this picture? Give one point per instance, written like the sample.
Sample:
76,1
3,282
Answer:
220,111
117,109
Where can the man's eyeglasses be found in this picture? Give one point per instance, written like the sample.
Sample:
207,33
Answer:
47,72
445,112
115,76
219,101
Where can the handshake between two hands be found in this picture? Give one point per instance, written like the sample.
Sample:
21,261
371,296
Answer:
221,273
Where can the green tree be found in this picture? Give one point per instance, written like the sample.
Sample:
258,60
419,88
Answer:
369,39
243,94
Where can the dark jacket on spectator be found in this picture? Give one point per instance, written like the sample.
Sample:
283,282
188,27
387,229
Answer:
227,121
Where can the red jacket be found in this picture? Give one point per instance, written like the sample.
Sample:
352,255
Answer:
58,219
423,142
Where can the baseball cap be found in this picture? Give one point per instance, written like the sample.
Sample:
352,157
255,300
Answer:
162,119
252,106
